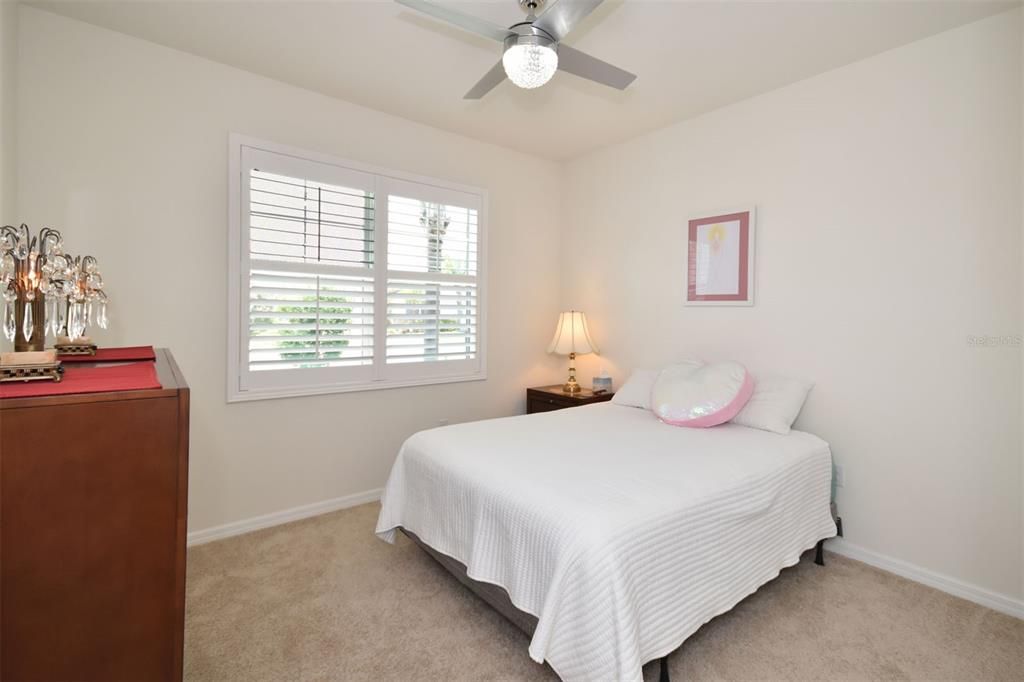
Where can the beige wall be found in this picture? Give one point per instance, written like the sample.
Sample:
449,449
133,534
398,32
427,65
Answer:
124,146
889,230
8,85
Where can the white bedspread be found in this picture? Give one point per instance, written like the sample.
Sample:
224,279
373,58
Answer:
621,534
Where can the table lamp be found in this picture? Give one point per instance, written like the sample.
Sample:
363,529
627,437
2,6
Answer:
572,337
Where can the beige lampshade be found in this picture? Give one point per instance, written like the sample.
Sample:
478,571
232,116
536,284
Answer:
572,335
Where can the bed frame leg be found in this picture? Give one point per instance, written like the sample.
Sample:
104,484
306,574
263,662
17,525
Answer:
819,553
663,677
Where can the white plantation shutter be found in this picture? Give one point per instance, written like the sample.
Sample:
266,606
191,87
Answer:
432,294
303,221
304,321
349,279
430,321
309,230
425,236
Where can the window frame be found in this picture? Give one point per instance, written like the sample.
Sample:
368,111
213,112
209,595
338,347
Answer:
380,374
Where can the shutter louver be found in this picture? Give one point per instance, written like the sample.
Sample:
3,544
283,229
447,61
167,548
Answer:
300,321
431,321
429,237
301,221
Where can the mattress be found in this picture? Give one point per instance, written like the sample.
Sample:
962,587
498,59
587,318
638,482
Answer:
620,534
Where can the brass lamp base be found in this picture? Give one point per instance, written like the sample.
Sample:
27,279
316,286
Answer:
571,386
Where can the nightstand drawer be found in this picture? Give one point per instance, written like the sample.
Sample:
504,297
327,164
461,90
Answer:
549,398
543,405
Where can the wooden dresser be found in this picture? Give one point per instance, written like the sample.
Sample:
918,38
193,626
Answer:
93,493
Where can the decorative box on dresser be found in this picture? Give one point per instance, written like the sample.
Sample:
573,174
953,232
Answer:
93,495
548,398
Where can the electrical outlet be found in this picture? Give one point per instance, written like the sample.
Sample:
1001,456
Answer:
840,476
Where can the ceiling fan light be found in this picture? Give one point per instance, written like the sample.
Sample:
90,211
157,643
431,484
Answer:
529,65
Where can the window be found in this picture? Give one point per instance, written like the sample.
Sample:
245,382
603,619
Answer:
349,278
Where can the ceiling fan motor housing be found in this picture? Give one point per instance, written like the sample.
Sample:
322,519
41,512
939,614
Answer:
527,34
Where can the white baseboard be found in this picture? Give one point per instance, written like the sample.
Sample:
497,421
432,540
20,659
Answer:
958,588
228,530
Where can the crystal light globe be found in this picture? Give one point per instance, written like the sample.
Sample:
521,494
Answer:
530,66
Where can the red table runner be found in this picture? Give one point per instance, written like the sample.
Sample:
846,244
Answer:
113,355
130,377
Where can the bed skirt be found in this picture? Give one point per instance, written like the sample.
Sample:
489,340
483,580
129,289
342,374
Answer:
494,595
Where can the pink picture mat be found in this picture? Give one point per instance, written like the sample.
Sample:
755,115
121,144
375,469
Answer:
743,291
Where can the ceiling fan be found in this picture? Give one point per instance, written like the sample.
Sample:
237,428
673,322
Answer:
532,48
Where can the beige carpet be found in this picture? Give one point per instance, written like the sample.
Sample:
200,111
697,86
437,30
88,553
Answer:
324,599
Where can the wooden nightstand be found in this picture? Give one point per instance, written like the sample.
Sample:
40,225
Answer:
548,398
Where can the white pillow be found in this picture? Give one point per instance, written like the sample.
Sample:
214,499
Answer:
775,403
637,391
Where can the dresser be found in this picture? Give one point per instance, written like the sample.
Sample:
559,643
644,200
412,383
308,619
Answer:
548,398
93,494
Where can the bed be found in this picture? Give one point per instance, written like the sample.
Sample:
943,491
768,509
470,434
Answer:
613,535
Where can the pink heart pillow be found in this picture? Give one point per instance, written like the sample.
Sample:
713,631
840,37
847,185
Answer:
702,396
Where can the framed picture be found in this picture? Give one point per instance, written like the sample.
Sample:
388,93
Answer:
720,259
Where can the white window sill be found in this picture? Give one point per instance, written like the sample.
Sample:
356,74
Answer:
238,396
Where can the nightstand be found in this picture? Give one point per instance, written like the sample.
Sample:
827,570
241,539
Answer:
548,398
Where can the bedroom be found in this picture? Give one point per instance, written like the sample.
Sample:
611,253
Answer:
877,147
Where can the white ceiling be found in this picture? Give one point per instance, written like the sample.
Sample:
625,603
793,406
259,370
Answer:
691,57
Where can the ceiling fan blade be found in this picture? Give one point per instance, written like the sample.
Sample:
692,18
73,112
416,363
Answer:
583,65
464,21
562,16
491,80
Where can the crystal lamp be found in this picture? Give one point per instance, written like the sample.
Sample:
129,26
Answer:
45,291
